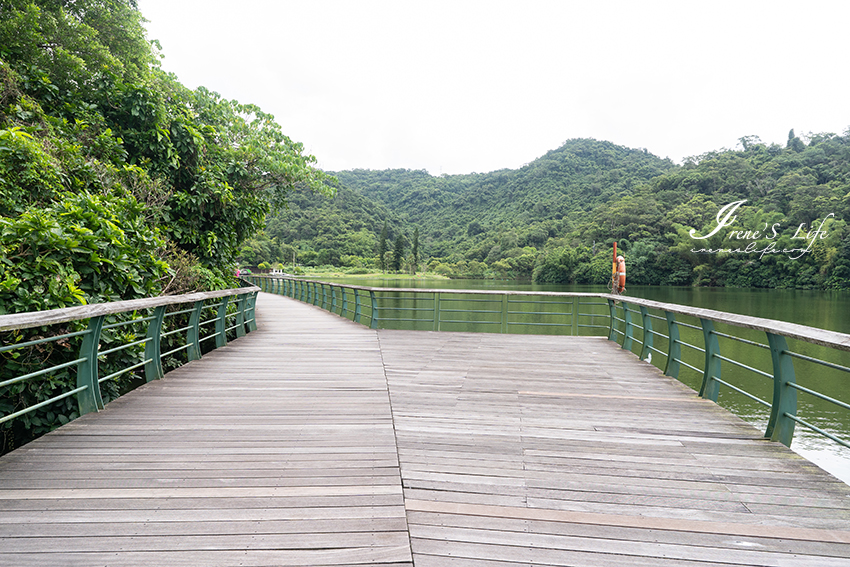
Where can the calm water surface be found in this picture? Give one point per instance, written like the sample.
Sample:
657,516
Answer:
821,309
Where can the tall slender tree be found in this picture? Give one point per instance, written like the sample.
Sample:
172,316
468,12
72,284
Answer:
415,249
398,252
382,248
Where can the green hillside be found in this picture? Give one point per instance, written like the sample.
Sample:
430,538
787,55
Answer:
555,219
460,217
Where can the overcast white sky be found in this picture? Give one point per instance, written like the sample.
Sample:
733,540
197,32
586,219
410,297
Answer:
467,86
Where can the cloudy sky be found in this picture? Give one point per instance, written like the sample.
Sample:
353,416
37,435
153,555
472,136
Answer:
466,86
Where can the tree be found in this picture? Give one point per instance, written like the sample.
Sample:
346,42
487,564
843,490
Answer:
398,252
382,248
415,249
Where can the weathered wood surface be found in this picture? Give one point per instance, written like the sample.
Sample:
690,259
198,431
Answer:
54,316
284,447
519,450
277,449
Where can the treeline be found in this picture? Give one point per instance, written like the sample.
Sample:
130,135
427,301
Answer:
116,181
555,219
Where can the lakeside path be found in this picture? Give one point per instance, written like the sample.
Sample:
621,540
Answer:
316,441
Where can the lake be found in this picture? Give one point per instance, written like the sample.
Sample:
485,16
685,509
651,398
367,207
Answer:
821,309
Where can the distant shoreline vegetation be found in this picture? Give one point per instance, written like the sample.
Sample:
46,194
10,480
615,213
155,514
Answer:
555,219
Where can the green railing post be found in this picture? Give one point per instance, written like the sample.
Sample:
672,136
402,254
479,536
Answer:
574,317
356,307
153,352
780,427
436,310
221,323
309,292
710,387
333,299
375,317
315,294
193,335
324,298
627,316
504,314
89,400
344,312
241,306
646,351
250,317
674,348
612,309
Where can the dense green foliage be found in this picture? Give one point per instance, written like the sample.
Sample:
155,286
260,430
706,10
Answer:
116,181
555,219
341,231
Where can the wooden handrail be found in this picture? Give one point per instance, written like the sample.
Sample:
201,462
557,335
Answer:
53,316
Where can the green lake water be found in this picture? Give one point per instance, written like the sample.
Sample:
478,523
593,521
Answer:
825,310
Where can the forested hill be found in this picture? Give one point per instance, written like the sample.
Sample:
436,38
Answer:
555,218
460,217
541,199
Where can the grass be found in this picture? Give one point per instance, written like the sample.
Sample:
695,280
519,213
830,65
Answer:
321,273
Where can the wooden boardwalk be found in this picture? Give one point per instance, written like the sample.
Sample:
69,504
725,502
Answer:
314,442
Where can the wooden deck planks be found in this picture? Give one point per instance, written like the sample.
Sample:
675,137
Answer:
314,441
278,449
569,451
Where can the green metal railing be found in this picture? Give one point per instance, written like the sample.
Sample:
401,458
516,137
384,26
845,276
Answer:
439,310
631,322
778,382
141,328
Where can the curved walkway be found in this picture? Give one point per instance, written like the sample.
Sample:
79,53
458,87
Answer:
316,441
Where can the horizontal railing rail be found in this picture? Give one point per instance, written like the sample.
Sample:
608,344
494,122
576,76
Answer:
135,329
628,321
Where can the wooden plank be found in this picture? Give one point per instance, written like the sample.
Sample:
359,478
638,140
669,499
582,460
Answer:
609,529
354,557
